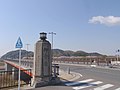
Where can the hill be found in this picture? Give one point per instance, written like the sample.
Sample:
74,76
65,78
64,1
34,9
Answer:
56,53
59,52
15,54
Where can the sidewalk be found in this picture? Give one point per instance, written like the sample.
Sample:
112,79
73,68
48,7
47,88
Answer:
64,76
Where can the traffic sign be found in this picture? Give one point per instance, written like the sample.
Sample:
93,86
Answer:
19,43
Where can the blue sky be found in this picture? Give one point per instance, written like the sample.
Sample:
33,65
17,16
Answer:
88,25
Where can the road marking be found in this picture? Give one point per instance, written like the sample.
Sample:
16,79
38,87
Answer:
77,76
87,85
78,82
104,87
117,89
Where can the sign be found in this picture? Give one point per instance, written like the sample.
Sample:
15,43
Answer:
19,43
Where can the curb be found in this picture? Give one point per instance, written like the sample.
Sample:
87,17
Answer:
77,76
69,77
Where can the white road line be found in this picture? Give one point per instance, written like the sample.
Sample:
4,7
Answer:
86,86
104,87
117,89
77,76
78,82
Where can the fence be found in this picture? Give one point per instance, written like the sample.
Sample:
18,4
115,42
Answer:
10,78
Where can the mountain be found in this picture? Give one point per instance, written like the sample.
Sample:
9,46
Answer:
59,52
56,53
15,54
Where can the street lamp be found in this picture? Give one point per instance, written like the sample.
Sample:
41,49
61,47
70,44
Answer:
52,33
43,36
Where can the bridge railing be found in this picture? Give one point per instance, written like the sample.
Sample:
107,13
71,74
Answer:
55,70
25,63
108,60
10,78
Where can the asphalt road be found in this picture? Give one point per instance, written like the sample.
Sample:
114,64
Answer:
108,76
92,79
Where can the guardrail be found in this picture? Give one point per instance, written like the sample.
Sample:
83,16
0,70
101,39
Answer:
10,78
29,64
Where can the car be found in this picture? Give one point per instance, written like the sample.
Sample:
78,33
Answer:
93,65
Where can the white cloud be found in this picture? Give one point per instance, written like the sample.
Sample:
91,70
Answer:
109,20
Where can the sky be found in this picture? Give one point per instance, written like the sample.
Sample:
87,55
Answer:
87,25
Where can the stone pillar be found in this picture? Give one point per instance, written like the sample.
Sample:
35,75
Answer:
42,69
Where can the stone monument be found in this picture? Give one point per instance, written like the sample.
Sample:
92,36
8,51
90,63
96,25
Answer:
42,69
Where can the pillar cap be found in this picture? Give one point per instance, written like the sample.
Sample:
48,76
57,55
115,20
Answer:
43,36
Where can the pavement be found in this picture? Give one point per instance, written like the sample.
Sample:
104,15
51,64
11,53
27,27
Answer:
72,76
67,75
63,75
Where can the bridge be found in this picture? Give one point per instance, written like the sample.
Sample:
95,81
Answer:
14,64
98,60
42,69
26,67
26,64
89,60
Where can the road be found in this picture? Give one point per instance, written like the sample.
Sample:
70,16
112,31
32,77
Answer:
107,76
93,78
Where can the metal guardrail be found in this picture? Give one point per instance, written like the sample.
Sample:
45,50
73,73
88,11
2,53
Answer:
55,70
29,64
10,78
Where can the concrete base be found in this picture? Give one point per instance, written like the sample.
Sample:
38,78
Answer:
41,83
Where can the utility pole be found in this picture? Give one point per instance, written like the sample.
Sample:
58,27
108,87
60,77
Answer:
52,33
27,49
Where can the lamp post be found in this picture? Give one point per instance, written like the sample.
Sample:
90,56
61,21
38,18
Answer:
52,33
43,36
